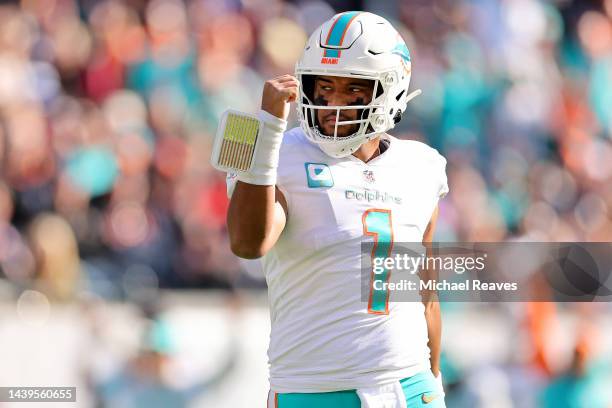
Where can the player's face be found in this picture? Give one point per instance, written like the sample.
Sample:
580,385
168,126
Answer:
340,91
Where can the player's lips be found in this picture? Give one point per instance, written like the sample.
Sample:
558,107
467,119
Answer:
331,119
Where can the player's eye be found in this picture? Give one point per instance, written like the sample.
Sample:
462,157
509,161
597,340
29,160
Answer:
326,87
356,89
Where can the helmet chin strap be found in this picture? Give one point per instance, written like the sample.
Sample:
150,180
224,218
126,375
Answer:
330,151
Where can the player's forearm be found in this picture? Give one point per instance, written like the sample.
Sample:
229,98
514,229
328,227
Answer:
431,301
434,331
433,319
252,220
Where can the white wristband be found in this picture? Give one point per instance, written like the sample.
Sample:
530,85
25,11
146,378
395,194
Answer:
265,161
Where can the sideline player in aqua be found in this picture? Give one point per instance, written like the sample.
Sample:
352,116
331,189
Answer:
305,199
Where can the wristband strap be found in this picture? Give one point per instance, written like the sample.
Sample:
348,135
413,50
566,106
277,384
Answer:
249,146
266,157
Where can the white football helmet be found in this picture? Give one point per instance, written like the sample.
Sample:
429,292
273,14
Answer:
359,45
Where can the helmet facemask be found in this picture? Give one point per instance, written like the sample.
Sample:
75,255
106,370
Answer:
334,144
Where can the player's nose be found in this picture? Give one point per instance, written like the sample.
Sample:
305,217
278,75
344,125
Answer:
337,99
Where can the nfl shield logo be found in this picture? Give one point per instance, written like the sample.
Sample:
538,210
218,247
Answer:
369,176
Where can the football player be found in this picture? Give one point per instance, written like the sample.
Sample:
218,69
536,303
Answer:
309,198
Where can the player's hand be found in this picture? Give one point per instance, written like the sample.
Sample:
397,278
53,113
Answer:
278,93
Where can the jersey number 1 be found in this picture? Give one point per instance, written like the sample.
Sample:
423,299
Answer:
377,223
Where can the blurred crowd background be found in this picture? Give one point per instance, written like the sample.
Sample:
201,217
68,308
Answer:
108,108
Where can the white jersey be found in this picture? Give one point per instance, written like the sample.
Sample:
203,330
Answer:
324,337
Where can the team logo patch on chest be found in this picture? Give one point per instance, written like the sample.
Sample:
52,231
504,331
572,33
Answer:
318,175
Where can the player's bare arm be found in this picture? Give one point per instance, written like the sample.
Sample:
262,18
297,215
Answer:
255,219
257,213
432,306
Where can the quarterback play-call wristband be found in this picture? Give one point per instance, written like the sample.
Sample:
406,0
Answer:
249,146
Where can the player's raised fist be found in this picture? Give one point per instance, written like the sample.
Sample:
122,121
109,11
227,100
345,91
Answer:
278,93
